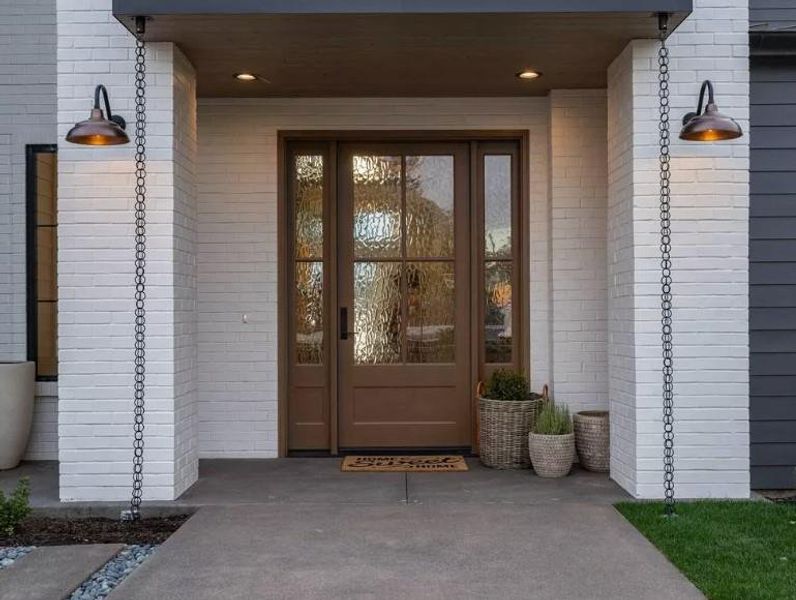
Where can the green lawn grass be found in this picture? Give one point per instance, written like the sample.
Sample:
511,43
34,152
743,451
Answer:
729,550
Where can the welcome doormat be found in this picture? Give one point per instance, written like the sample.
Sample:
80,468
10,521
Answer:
404,464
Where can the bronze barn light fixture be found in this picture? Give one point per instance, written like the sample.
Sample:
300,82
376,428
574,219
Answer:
97,130
710,125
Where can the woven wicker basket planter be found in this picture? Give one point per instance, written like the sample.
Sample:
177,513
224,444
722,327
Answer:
552,455
593,439
504,427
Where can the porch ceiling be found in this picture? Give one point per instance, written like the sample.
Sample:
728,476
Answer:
334,48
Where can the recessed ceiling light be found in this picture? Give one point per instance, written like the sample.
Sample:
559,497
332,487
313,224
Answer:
246,76
529,74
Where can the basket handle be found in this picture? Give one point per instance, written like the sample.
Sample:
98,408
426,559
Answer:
545,393
479,389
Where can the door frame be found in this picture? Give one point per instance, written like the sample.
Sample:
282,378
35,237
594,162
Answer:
331,138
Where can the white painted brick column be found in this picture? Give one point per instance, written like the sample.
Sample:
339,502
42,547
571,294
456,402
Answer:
710,202
578,191
95,266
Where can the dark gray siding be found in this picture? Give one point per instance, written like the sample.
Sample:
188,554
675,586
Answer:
772,271
771,15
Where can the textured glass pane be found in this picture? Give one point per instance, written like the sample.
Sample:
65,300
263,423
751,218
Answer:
309,206
377,206
309,313
47,336
429,206
432,312
497,312
377,312
46,240
497,206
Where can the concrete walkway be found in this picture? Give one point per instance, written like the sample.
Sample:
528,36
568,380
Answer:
299,529
305,531
53,572
407,551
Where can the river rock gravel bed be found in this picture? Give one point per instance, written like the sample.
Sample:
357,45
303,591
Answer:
9,554
100,584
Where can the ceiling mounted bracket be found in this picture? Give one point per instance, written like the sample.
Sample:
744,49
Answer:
663,25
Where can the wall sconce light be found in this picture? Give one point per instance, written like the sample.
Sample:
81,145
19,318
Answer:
97,130
710,125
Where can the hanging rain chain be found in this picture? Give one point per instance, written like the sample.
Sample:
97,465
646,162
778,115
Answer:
666,270
140,272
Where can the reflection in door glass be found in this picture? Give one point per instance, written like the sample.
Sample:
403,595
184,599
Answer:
497,206
432,312
429,206
308,192
377,312
377,206
309,313
497,312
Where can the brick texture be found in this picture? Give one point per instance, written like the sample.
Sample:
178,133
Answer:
27,116
710,206
96,266
578,200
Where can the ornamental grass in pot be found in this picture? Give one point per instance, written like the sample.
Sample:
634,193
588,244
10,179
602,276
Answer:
506,413
551,443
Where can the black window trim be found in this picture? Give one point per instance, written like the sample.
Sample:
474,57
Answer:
31,151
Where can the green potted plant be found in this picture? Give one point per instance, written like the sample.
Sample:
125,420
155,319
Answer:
506,413
551,443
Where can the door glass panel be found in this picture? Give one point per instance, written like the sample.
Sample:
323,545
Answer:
429,206
431,312
309,206
497,206
377,312
378,213
309,313
497,312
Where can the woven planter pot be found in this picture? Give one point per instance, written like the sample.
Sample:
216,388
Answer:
552,455
504,427
593,439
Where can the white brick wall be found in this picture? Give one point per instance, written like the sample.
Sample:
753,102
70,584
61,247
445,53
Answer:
237,241
578,196
27,116
620,258
185,218
710,200
96,266
199,348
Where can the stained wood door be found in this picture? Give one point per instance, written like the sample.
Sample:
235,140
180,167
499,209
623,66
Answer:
403,295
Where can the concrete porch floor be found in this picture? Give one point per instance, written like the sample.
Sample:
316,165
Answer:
308,480
300,529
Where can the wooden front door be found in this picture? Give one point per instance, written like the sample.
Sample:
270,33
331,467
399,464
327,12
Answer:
403,295
401,266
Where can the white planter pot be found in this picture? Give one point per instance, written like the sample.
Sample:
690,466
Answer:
17,381
552,455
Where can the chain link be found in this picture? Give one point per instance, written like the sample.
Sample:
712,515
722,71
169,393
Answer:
666,275
140,276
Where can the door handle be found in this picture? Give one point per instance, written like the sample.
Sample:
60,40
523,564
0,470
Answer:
344,333
344,323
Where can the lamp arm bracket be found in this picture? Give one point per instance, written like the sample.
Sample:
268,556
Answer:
100,90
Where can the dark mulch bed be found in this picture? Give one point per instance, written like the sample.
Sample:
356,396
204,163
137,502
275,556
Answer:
40,531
